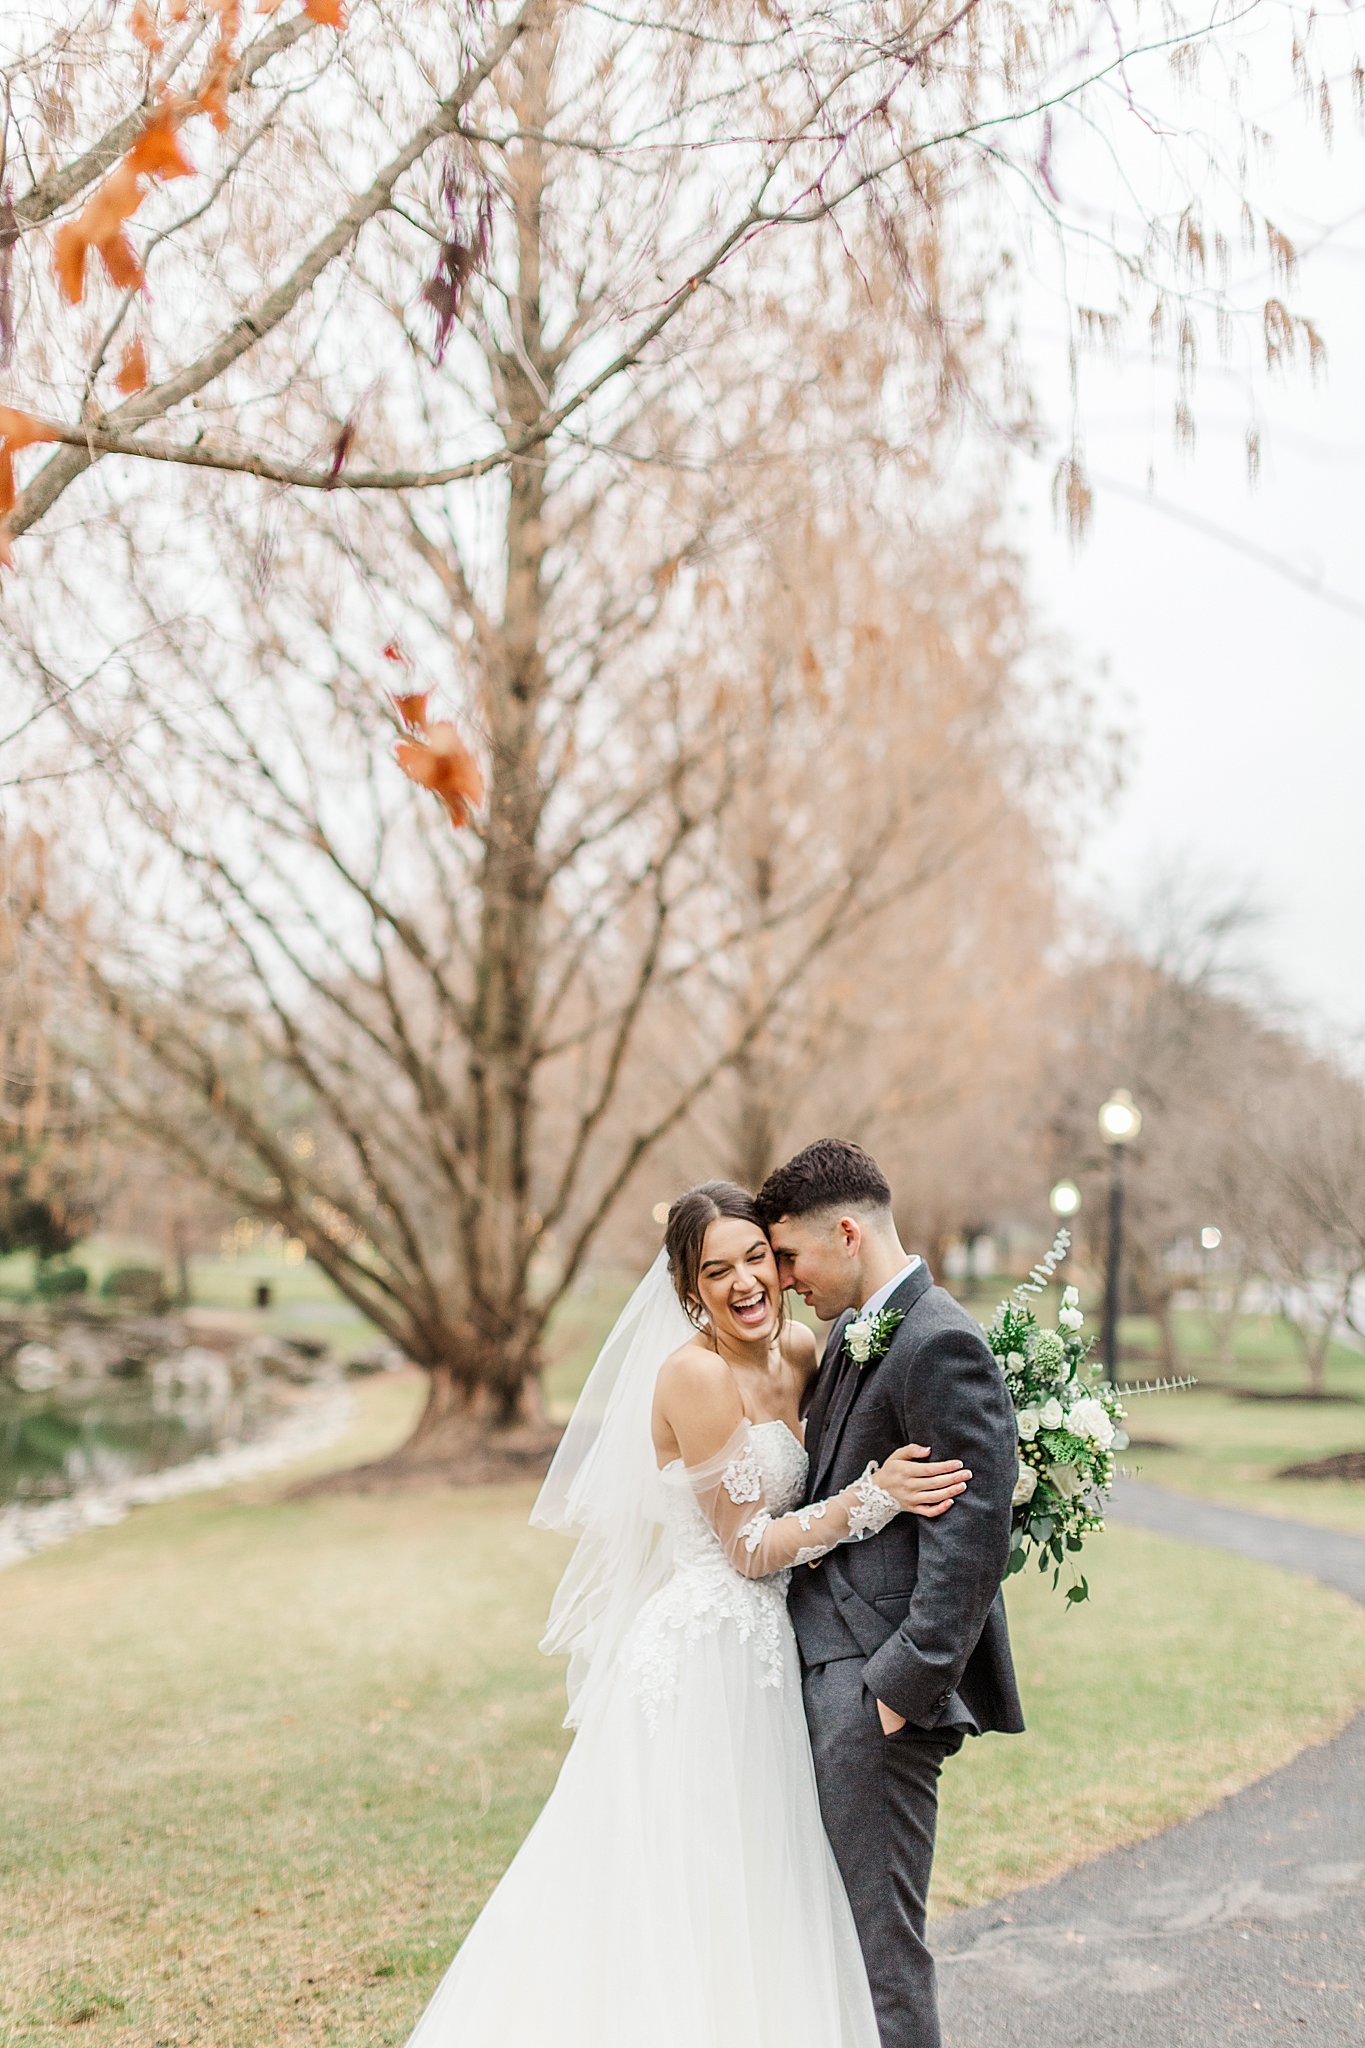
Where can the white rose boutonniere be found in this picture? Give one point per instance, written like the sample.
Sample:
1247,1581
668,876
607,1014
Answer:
868,1337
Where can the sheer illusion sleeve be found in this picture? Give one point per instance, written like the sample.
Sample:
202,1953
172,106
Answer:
731,1493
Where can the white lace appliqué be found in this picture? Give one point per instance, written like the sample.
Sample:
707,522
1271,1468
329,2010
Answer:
742,1479
811,1553
872,1508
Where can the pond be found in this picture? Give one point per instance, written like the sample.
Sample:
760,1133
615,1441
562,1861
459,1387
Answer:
53,1445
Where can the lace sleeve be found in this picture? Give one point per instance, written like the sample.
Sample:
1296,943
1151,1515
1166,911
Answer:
730,1491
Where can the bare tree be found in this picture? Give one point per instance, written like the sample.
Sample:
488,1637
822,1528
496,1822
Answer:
1302,1202
898,781
261,177
1166,1009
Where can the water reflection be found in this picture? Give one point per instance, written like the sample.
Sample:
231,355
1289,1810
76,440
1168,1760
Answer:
53,1444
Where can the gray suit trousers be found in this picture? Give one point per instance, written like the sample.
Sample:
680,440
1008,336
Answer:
879,1799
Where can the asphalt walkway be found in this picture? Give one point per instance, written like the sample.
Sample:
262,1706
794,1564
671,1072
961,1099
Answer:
1243,1928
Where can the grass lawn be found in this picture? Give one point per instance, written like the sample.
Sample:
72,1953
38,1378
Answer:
264,1759
1228,1448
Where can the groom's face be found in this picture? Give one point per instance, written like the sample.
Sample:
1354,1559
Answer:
819,1257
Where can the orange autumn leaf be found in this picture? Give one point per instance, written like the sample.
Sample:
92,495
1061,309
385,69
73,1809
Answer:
438,759
17,430
100,225
121,260
158,152
68,260
212,96
329,13
412,709
442,763
23,429
102,222
132,370
111,204
143,25
213,101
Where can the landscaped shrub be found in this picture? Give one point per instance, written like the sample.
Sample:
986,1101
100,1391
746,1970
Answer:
139,1286
55,1283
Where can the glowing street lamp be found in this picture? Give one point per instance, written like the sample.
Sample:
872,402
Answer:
1210,1237
1120,1119
1065,1200
1120,1122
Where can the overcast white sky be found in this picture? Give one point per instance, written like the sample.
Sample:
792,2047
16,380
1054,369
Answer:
1244,695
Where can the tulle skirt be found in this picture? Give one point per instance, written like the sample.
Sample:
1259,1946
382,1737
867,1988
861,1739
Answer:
678,1890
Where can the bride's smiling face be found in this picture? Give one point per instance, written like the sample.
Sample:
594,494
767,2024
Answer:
737,1281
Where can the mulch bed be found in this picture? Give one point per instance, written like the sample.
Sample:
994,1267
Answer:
1346,1465
1270,1394
465,1459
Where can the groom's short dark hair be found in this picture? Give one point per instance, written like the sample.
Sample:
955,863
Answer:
833,1173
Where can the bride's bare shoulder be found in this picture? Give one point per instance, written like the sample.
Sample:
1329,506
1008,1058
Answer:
695,1376
694,1363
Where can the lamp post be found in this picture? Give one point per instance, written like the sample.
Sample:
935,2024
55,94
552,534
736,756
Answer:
1065,1200
1120,1122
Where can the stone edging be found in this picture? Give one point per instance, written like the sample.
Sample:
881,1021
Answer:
28,1527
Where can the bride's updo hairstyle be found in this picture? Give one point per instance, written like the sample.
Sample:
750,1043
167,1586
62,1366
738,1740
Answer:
689,1219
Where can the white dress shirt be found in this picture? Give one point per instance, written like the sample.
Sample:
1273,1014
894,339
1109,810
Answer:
883,1295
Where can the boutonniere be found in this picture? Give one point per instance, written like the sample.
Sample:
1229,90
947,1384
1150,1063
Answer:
869,1337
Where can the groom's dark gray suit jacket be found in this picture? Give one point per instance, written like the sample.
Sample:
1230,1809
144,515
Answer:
920,1603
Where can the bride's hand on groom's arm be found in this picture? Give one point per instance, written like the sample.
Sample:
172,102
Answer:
919,1486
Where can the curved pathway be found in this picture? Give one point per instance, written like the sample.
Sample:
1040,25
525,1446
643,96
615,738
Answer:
1242,1928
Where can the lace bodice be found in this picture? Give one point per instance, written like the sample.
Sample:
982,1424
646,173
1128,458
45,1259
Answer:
735,1533
704,1591
779,1480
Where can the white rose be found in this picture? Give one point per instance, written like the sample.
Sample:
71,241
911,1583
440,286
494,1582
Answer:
1025,1486
1071,1297
1028,1424
1070,1318
1066,1479
858,1337
1088,1418
1016,1361
1051,1415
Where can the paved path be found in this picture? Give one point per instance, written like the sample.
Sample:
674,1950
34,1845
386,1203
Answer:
1244,1928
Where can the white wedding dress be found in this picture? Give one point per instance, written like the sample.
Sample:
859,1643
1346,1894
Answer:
677,1890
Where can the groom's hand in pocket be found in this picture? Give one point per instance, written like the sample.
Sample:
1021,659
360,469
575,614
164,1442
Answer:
891,1721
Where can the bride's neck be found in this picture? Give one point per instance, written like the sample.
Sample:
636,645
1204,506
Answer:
757,1356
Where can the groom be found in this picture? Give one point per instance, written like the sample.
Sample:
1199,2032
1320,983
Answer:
904,1649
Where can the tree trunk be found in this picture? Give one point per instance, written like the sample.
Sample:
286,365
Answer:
486,1402
462,1438
1170,1344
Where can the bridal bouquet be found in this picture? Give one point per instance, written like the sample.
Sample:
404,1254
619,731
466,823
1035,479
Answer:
1070,1424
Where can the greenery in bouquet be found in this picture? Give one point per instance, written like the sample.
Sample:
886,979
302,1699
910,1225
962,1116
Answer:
1070,1423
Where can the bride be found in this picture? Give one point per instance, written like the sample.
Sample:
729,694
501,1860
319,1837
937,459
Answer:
677,1890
